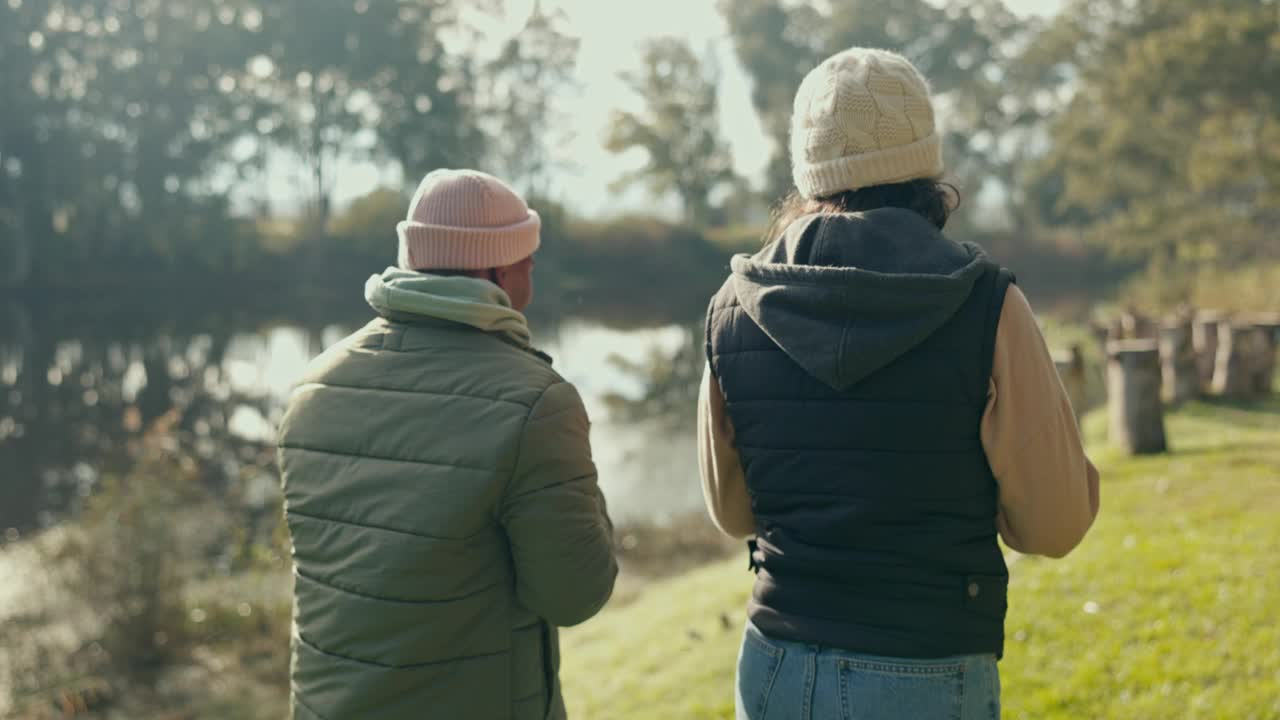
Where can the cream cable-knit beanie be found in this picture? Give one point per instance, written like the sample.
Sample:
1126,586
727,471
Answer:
862,118
466,220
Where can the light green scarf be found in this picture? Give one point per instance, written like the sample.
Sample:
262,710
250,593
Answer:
470,301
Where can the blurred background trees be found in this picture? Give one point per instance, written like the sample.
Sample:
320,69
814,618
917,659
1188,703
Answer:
135,135
678,129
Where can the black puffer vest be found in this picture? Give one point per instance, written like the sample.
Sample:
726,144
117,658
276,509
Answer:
854,355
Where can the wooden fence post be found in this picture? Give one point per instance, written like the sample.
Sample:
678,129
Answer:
1204,335
1179,369
1072,372
1136,326
1133,396
1232,375
1269,338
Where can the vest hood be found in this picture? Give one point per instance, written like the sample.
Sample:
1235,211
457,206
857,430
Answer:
845,295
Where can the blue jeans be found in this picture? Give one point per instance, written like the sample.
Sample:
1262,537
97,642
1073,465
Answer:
782,680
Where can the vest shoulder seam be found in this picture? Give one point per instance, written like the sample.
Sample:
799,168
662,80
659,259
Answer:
846,400
759,448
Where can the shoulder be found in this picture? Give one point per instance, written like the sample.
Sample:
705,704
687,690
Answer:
724,298
434,360
1017,318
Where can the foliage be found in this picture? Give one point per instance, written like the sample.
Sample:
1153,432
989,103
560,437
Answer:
125,610
603,263
737,238
125,126
1164,611
1253,288
962,47
1167,151
129,560
678,129
529,79
368,225
109,128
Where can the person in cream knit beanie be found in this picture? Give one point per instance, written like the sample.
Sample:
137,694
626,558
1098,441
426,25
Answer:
877,543
466,220
862,118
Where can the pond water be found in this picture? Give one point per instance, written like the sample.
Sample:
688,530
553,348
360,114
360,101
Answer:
81,381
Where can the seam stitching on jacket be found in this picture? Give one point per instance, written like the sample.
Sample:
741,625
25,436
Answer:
298,699
550,486
385,528
362,456
403,391
524,429
383,598
385,666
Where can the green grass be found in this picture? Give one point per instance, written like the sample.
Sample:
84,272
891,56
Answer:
1169,609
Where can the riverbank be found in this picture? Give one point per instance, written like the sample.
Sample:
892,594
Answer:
135,619
1166,610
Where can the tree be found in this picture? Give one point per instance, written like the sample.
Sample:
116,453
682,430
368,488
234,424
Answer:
124,123
777,45
962,48
109,123
525,85
363,78
679,128
1169,149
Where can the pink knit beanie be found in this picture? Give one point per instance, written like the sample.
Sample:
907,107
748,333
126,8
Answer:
466,220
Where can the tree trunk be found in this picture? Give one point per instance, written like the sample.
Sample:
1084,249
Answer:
1231,371
1133,396
1180,369
1071,369
17,261
1204,335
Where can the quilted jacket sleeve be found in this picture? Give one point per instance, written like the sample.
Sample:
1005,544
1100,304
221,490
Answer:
555,516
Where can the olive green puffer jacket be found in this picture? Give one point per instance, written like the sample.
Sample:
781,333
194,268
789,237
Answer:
444,512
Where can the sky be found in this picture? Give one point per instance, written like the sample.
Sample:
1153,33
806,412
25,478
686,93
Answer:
610,34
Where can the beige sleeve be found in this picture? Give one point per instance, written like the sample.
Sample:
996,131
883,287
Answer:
1048,487
724,484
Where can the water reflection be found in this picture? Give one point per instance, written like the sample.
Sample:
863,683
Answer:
80,384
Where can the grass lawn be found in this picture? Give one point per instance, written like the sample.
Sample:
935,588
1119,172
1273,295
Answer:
1169,609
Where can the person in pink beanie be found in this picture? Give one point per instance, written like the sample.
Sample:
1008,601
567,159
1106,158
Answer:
441,497
469,222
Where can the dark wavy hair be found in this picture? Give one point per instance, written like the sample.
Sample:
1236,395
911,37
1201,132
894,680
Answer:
932,198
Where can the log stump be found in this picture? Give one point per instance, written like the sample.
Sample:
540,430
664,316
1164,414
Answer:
1136,326
1204,335
1071,370
1101,334
1268,340
1133,396
1233,372
1180,371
